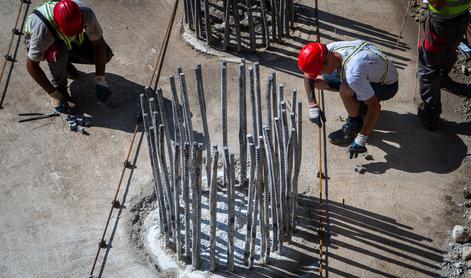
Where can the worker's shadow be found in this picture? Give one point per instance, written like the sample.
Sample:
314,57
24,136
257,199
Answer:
123,109
410,147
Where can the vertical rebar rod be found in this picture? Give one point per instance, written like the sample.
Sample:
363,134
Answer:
250,199
176,112
253,230
197,19
258,98
242,125
186,198
235,13
186,109
204,121
145,121
227,24
272,187
281,96
281,182
176,191
213,208
286,183
289,172
196,200
207,19
165,175
265,33
252,102
231,213
268,102
251,25
224,102
265,204
298,158
294,101
273,11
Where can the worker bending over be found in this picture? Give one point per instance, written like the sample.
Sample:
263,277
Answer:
443,30
362,74
65,32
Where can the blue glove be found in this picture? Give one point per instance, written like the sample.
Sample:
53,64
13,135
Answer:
103,93
355,149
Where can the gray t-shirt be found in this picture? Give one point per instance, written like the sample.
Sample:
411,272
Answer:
41,38
364,67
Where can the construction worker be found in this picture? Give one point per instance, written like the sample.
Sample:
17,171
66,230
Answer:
443,30
362,74
65,32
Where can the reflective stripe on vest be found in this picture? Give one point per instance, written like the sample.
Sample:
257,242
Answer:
357,49
452,8
47,10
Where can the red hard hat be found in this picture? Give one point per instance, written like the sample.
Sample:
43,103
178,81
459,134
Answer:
68,17
311,57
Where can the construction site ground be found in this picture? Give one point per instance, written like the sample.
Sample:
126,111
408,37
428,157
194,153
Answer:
56,185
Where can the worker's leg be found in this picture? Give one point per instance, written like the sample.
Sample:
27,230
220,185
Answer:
347,133
456,30
84,53
349,100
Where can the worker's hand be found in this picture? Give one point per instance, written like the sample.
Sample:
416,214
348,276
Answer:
103,93
316,116
358,146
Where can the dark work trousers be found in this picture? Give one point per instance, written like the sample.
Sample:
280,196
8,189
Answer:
437,55
79,54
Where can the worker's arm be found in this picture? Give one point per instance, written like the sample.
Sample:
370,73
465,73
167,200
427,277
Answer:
437,4
99,49
39,76
315,113
372,116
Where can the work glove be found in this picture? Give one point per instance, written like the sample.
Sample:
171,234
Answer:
103,93
61,104
358,146
316,116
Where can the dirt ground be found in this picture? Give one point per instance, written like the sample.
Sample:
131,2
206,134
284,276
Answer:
56,185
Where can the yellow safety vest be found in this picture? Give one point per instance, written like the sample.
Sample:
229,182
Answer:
357,49
47,11
452,8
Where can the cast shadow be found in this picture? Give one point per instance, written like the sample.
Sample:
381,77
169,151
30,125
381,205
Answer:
123,109
410,147
369,234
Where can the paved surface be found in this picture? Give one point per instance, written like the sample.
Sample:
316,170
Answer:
55,186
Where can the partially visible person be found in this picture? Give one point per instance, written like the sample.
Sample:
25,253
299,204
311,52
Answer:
362,74
65,32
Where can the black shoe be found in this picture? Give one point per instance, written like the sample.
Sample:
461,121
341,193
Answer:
348,132
72,72
429,117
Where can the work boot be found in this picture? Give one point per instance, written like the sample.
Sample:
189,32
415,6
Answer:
429,116
348,132
61,104
72,72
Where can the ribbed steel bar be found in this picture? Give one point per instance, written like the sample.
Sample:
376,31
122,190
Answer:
281,180
242,125
207,21
213,191
289,193
224,102
177,182
235,14
177,113
259,100
253,230
298,160
265,33
253,103
196,206
287,182
250,199
272,187
252,38
264,204
186,198
231,213
186,109
294,101
227,24
204,121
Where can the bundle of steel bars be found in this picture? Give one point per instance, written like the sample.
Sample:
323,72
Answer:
273,151
273,18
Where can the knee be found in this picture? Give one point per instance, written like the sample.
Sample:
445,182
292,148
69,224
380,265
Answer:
345,91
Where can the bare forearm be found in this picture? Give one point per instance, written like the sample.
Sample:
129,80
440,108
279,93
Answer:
310,87
371,118
99,49
39,76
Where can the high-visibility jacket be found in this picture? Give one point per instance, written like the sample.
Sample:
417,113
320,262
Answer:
452,8
46,10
